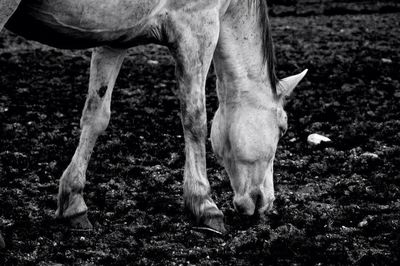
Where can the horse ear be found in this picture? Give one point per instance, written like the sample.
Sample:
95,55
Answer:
286,86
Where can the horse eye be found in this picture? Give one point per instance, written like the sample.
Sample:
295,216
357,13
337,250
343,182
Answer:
282,120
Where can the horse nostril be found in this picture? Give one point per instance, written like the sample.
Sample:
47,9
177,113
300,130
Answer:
257,198
263,202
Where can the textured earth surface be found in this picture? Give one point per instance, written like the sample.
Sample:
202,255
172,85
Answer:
336,203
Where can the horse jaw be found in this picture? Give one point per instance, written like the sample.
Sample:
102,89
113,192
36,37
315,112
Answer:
286,86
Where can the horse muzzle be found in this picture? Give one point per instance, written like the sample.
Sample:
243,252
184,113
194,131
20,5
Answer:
255,200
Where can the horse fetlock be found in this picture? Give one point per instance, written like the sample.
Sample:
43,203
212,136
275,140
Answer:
70,205
70,195
194,203
72,180
201,207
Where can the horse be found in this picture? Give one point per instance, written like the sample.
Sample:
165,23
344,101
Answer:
234,35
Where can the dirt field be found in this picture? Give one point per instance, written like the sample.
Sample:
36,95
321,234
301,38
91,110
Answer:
335,203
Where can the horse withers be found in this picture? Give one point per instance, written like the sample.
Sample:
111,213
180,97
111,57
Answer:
233,34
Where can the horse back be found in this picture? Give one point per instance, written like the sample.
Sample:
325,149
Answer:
90,23
84,23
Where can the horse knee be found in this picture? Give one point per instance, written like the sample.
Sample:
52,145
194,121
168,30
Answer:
96,115
195,123
102,120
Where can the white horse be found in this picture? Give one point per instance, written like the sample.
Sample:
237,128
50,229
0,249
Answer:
233,34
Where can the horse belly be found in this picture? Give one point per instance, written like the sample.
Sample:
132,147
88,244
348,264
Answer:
85,23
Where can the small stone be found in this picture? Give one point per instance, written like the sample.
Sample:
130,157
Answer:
348,87
152,62
316,139
370,155
362,223
365,221
386,60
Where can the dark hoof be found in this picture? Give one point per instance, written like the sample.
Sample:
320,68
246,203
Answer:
207,215
80,222
213,224
2,244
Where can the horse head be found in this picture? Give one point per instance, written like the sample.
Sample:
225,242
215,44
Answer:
245,137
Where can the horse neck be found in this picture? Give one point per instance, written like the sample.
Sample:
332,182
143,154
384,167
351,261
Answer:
241,71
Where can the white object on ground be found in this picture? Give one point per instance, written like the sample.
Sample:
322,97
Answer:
370,155
316,139
152,62
387,60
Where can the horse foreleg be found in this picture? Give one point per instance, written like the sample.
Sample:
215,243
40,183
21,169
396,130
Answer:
105,65
193,55
7,8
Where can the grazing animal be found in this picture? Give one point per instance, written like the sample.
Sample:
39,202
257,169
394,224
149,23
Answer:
233,34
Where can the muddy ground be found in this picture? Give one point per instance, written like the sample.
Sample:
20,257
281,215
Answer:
335,204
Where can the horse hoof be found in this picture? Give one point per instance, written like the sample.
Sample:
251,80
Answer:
2,244
80,222
214,224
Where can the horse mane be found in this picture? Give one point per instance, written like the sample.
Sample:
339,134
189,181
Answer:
261,8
